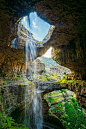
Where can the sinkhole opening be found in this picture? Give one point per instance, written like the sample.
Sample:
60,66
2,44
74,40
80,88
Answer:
34,28
38,27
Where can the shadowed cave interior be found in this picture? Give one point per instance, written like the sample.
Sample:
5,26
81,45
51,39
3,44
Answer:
42,64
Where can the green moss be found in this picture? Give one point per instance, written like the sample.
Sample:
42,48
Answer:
53,94
7,78
48,79
61,109
44,71
54,75
69,112
44,78
40,42
30,83
53,100
18,20
66,81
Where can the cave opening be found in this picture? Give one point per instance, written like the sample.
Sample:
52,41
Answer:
38,27
46,73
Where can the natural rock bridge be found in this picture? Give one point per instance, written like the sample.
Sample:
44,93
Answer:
47,87
80,91
12,96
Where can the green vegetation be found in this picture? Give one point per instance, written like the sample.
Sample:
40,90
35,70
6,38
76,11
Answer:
9,123
80,82
43,78
39,42
47,77
54,76
17,77
44,71
46,36
18,20
64,73
68,111
64,80
30,83
73,117
60,110
6,78
53,94
53,100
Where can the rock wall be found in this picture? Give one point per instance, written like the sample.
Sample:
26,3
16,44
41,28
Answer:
12,60
80,93
77,88
38,66
16,95
13,96
72,56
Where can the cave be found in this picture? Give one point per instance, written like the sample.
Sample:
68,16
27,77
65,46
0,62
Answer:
31,84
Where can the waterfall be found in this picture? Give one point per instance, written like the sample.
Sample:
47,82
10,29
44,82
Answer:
30,49
37,110
30,54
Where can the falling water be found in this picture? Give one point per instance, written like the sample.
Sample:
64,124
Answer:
30,49
37,110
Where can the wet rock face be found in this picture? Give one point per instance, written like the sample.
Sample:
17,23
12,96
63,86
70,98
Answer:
69,34
13,96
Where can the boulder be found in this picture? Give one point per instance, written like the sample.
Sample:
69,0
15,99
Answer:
38,66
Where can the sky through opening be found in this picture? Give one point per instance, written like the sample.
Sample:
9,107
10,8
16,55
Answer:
38,27
48,53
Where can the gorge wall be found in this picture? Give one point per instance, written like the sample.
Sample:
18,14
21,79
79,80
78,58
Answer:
15,96
12,98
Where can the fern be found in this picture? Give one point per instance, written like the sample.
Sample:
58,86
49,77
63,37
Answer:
9,123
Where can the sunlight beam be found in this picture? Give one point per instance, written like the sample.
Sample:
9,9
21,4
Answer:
48,53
